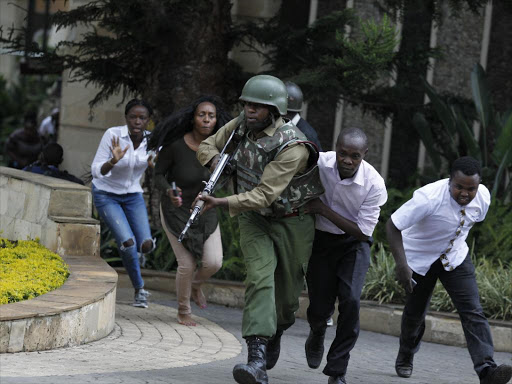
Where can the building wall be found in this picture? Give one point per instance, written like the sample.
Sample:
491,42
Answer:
460,37
11,13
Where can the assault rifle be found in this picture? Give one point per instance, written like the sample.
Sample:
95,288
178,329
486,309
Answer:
224,160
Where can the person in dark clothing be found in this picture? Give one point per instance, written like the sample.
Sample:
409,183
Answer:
24,145
48,164
199,256
295,105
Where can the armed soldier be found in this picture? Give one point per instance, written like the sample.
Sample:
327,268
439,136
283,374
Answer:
276,174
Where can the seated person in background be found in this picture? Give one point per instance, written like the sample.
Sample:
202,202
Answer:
24,145
48,164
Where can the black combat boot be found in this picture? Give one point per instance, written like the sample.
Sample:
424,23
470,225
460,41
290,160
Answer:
255,371
273,349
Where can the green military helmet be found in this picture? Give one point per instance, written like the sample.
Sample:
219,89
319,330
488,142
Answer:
295,97
268,90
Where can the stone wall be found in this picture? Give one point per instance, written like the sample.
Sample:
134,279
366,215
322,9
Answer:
58,212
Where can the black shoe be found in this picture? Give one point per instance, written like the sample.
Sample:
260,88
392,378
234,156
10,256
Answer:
273,349
337,380
498,375
254,372
315,349
403,364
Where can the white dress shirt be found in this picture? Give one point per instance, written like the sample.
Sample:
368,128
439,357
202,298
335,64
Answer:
433,224
47,127
357,199
125,176
296,119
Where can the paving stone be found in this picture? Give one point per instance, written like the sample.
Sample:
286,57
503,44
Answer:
149,346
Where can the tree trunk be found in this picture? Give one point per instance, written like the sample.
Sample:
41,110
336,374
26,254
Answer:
499,70
417,23
198,57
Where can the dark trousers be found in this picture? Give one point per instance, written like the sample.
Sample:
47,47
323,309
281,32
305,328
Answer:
461,286
337,269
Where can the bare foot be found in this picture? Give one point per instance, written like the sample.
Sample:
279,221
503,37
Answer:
198,297
186,320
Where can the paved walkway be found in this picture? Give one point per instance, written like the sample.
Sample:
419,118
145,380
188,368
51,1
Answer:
148,346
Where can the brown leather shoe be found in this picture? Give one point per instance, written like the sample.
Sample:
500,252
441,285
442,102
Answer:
403,364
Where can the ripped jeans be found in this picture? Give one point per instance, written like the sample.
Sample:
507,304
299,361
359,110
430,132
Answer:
127,218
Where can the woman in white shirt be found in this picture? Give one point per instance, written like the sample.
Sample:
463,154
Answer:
117,168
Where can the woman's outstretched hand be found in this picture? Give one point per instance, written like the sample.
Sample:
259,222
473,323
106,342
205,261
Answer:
117,152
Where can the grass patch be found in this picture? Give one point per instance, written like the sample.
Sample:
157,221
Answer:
28,270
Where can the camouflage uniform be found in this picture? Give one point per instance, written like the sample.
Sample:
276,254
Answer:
276,241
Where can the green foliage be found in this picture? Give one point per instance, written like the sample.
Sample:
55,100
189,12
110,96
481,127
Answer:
381,284
396,197
496,161
320,59
365,59
140,47
493,281
28,270
493,236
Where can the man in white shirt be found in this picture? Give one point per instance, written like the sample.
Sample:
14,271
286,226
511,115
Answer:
347,214
427,236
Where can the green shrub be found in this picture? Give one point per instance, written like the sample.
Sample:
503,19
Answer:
493,279
396,198
381,284
28,270
493,236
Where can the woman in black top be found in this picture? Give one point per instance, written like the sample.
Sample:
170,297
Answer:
177,138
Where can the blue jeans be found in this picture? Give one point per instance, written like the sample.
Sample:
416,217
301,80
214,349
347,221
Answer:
127,218
461,286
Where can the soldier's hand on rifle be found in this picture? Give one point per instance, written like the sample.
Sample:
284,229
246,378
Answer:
213,162
175,196
210,202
